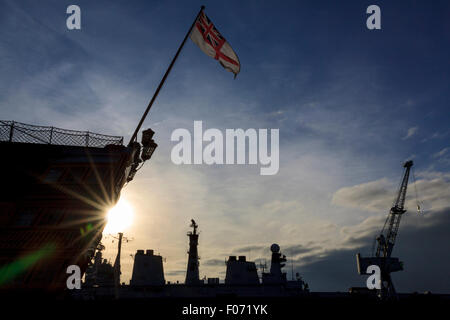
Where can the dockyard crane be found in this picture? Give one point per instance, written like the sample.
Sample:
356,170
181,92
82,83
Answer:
385,242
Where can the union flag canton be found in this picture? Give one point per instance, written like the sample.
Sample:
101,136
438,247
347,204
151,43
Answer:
213,44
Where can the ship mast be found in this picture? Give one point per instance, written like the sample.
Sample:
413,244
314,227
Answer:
117,271
192,273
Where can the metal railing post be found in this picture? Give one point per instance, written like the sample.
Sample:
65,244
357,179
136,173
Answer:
11,132
51,135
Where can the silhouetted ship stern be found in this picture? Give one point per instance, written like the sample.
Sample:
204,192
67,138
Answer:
57,187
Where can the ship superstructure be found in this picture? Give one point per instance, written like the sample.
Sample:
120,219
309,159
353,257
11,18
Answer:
192,272
58,185
148,269
241,280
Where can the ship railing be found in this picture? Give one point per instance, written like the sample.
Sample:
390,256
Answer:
13,131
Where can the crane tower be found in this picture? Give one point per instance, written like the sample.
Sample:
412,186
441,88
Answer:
385,242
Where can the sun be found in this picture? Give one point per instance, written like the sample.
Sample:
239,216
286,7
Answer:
120,217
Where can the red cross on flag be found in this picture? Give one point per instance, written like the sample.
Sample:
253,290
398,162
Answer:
209,39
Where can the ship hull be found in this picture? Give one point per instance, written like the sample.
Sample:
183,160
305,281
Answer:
53,203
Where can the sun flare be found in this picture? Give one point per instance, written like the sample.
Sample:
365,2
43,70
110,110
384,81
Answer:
120,217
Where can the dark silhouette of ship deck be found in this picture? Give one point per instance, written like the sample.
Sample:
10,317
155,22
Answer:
57,186
242,279
56,189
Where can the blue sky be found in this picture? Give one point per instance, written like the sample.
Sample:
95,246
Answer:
351,105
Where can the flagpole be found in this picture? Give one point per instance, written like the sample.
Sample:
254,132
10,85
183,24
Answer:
164,79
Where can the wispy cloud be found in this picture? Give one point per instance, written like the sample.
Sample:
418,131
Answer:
440,153
372,196
411,132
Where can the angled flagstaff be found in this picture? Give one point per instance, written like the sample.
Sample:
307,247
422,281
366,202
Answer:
211,42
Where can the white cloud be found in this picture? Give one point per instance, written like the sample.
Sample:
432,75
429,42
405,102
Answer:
411,131
372,196
440,153
375,196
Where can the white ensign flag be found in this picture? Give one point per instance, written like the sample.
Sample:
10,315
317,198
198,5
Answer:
208,38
